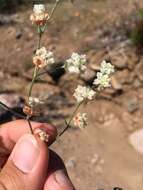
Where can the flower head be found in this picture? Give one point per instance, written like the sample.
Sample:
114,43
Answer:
39,16
102,80
28,110
76,64
39,8
42,134
34,101
80,120
106,68
43,58
83,93
103,77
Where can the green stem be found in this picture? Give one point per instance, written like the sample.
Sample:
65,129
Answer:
52,13
54,8
70,120
35,73
33,81
39,40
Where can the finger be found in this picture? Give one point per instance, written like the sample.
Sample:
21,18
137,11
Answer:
26,168
57,175
12,131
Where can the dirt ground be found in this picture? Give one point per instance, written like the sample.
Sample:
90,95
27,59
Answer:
101,157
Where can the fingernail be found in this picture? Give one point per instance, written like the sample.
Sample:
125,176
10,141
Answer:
25,153
62,179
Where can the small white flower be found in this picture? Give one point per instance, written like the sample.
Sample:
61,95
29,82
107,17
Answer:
102,80
34,101
50,58
83,93
76,64
42,134
106,68
39,16
80,120
39,8
43,58
103,77
42,52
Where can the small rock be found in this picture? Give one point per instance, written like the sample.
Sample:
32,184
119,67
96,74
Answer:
116,84
136,140
14,102
119,61
128,120
124,76
71,162
98,169
132,105
7,20
102,162
88,76
11,100
137,83
18,34
95,58
95,159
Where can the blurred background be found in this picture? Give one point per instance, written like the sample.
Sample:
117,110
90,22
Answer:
101,157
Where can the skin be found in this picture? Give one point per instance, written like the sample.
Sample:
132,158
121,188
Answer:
47,167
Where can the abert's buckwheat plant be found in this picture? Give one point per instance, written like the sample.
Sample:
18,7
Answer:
75,64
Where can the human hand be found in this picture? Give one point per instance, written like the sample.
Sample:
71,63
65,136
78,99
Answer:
26,161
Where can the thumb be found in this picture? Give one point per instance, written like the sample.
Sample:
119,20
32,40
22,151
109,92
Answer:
27,165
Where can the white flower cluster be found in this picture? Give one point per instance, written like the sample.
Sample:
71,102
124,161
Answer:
39,8
34,101
39,16
80,120
103,77
42,134
83,93
76,64
43,58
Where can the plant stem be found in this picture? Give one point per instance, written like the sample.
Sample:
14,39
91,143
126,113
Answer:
33,81
35,73
39,40
70,120
52,13
30,126
54,8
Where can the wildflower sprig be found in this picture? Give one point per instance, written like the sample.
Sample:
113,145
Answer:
103,77
76,64
42,57
84,94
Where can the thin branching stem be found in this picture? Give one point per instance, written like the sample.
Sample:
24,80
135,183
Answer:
35,73
70,120
30,125
33,81
54,8
52,13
